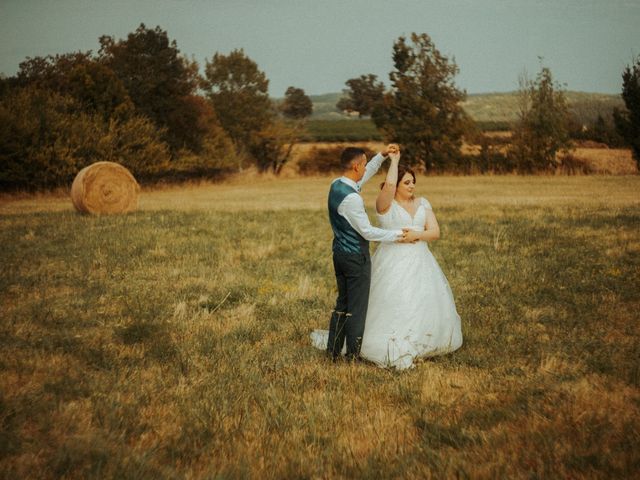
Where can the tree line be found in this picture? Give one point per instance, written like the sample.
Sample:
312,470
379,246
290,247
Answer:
140,102
422,111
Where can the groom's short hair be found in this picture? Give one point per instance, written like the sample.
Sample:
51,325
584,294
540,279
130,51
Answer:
349,154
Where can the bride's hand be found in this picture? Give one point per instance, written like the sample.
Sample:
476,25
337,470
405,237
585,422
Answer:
409,236
391,149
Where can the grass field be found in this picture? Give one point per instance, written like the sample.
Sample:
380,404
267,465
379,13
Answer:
173,342
493,108
341,130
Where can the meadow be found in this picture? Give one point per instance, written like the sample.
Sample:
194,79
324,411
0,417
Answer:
174,342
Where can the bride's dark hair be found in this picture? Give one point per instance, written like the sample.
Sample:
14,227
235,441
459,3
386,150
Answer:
402,171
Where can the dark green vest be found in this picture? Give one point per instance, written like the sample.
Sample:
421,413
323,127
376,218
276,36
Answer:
345,238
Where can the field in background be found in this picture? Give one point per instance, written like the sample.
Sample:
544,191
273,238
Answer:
494,107
345,129
600,160
173,342
341,130
253,192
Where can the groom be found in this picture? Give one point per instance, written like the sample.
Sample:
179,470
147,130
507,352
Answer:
352,232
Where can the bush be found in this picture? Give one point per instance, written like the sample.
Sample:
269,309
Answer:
571,165
601,131
46,138
322,160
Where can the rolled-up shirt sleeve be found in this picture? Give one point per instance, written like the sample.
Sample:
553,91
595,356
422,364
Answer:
352,208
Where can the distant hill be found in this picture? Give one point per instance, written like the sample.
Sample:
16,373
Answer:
493,107
324,106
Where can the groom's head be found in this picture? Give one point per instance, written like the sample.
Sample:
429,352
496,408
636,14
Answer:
353,162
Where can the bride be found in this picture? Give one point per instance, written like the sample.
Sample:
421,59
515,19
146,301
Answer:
411,311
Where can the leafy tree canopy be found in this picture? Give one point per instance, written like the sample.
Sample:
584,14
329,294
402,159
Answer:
95,86
422,110
628,122
238,90
296,104
159,81
364,94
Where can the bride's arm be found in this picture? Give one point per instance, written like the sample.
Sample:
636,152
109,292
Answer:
383,202
431,230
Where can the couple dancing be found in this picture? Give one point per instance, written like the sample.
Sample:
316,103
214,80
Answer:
397,305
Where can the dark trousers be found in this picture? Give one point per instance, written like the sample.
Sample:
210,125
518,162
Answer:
353,276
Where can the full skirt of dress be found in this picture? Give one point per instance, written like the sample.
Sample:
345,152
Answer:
411,311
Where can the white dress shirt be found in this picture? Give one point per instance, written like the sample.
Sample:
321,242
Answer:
352,207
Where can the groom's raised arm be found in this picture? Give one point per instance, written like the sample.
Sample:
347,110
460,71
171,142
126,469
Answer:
376,162
372,168
352,208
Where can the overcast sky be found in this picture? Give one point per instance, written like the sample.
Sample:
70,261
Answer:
318,45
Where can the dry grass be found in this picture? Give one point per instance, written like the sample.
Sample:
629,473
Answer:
173,342
253,192
609,161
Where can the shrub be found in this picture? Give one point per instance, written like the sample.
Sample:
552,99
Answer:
45,139
322,160
571,165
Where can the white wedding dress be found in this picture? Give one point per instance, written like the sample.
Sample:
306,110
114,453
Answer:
411,311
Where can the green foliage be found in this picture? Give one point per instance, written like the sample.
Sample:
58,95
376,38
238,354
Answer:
352,130
296,105
628,121
602,130
364,95
93,85
322,161
46,138
135,103
422,110
271,147
363,129
238,90
543,125
161,83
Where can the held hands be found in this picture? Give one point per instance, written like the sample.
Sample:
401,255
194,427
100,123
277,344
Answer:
409,236
392,151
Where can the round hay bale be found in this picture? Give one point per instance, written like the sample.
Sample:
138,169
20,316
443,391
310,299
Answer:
104,188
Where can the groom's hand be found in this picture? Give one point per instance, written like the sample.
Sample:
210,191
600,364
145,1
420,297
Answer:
409,236
392,148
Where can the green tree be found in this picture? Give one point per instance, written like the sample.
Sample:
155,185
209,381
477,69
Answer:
628,122
95,86
364,95
272,146
160,82
422,110
542,128
238,90
297,105
46,138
